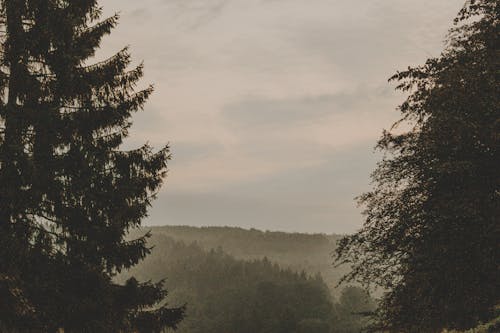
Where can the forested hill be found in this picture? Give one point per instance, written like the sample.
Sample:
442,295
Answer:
309,252
249,242
228,294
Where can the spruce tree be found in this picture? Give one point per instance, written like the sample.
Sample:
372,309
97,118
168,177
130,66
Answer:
431,234
69,193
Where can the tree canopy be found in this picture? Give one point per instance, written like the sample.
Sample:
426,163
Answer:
430,237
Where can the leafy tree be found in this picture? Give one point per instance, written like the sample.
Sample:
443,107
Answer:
68,193
431,232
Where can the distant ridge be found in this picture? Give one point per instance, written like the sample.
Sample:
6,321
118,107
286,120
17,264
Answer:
311,253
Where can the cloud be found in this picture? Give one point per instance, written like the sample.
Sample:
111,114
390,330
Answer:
269,113
185,153
140,14
316,198
192,14
370,40
264,137
271,107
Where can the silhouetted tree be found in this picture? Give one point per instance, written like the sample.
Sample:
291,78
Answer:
431,230
68,193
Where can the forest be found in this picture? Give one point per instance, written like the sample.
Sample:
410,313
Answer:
311,253
236,280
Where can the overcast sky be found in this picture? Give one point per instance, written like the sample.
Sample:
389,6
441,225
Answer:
271,107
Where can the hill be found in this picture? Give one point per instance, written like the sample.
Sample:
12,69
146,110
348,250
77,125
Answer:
300,252
226,294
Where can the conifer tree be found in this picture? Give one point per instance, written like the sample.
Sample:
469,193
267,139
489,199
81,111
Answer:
431,231
68,192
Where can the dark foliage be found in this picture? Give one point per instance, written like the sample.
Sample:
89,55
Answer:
68,193
431,231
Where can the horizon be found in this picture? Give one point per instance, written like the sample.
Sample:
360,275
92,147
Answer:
239,228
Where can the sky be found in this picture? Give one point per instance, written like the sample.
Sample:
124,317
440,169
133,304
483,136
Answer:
271,108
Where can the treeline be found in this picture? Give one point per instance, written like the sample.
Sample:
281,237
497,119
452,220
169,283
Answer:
225,294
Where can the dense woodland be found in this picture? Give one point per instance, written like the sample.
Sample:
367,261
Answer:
254,293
